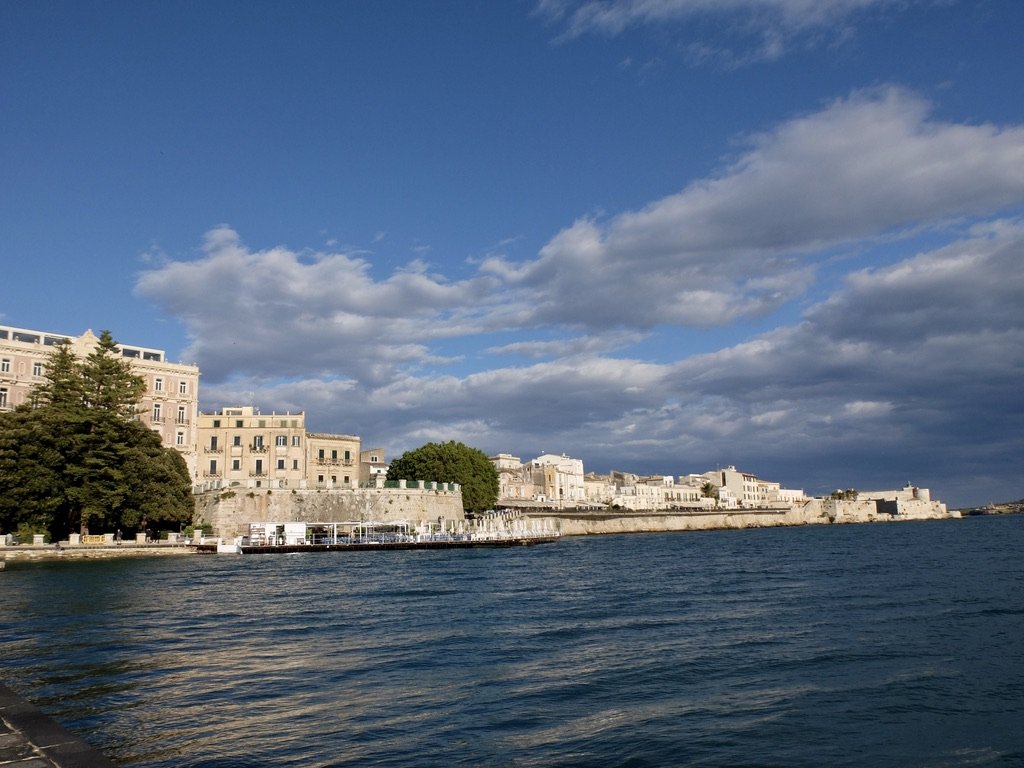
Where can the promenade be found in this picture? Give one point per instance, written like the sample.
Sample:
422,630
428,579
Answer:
30,739
29,552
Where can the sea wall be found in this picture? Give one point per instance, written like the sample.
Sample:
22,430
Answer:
230,512
811,512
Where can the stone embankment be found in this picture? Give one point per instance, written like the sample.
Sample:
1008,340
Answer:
230,511
95,552
571,522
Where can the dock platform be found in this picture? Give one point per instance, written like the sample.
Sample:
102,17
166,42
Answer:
373,546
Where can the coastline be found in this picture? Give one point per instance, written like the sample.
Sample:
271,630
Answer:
35,552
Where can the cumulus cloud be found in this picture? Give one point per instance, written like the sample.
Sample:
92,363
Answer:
911,367
927,401
266,312
745,241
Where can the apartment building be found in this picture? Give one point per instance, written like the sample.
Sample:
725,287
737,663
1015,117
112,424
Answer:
749,490
242,447
334,461
169,405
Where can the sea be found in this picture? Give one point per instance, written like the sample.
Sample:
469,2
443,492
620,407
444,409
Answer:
893,644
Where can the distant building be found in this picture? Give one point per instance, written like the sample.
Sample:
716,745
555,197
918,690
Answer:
548,479
372,466
169,405
749,490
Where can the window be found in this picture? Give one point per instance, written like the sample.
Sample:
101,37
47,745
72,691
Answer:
280,463
257,442
237,440
346,479
282,441
182,387
37,369
179,439
158,385
373,459
213,443
320,453
334,455
295,441
3,397
348,456
236,464
239,424
5,365
295,463
213,466
157,414
259,466
181,414
320,479
216,423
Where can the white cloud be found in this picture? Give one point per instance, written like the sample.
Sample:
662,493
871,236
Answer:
273,311
744,242
764,28
910,367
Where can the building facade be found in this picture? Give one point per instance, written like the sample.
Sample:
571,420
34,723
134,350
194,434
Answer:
169,405
240,447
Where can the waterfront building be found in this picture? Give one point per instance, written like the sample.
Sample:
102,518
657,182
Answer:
749,490
333,461
242,447
373,467
561,478
548,479
170,402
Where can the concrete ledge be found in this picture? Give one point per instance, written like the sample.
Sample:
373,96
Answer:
30,739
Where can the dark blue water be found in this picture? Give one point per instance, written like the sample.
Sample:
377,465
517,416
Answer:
861,645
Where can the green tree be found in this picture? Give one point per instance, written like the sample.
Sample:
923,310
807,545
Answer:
451,462
78,458
109,383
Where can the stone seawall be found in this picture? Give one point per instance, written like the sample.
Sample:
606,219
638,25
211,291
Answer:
231,511
812,512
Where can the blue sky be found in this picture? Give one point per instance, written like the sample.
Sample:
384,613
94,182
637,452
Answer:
658,236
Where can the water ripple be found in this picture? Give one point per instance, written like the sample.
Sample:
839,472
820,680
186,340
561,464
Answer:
888,645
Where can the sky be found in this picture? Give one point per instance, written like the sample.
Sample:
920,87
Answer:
660,236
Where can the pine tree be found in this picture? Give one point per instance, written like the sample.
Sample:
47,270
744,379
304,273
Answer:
78,458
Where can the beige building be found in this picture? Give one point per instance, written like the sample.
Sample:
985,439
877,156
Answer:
750,491
169,405
548,479
334,461
242,447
